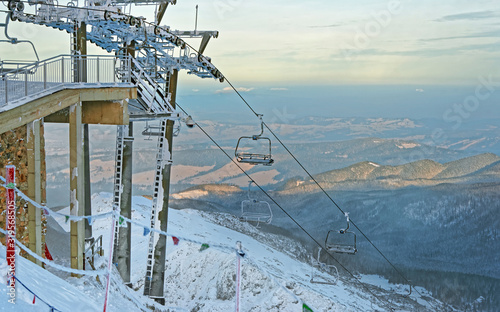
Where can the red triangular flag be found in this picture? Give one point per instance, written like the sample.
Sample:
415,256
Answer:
176,240
48,256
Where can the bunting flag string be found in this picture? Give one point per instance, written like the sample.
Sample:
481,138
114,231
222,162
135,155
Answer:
54,265
121,219
47,211
52,308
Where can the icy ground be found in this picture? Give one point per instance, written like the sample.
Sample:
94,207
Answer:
273,279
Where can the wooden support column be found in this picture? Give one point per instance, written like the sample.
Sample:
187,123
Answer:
34,187
158,280
81,76
77,199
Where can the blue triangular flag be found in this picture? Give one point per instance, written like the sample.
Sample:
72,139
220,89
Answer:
146,231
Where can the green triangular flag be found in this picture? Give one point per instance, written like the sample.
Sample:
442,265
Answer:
305,308
10,185
120,220
204,246
66,218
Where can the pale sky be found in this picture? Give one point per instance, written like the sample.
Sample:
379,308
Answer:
360,42
329,42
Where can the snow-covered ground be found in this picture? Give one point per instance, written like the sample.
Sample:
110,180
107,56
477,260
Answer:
200,280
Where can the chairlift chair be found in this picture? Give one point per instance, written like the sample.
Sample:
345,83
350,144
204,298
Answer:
13,66
330,269
253,210
341,241
254,158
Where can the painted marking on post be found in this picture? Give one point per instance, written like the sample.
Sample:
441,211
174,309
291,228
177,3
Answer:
11,233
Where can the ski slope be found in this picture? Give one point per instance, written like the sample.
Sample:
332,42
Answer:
200,280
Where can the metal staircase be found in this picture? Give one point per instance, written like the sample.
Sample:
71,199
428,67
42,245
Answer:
150,95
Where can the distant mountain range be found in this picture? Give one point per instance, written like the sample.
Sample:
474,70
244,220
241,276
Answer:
369,175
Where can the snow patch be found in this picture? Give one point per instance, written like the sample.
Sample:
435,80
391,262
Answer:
407,145
190,194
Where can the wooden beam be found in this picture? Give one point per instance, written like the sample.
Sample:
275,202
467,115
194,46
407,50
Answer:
77,199
52,103
37,109
96,113
107,94
106,113
34,188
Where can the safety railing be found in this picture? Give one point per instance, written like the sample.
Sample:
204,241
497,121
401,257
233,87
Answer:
94,249
63,71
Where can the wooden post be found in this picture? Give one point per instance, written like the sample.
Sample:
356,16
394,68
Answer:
158,280
81,76
34,188
77,200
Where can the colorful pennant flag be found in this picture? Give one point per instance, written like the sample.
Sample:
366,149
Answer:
176,240
204,246
48,256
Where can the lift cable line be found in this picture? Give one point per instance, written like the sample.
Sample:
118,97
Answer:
284,211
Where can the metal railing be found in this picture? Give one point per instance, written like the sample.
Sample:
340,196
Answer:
60,72
94,249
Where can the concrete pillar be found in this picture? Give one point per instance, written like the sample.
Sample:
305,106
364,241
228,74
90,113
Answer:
158,280
123,252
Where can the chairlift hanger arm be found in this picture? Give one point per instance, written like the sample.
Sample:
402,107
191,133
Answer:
13,40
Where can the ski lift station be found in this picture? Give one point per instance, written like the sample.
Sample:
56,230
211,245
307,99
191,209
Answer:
136,80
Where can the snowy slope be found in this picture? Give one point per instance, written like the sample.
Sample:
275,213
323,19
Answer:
272,279
51,289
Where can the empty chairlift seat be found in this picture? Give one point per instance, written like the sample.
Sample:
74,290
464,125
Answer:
257,211
255,149
332,273
341,241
